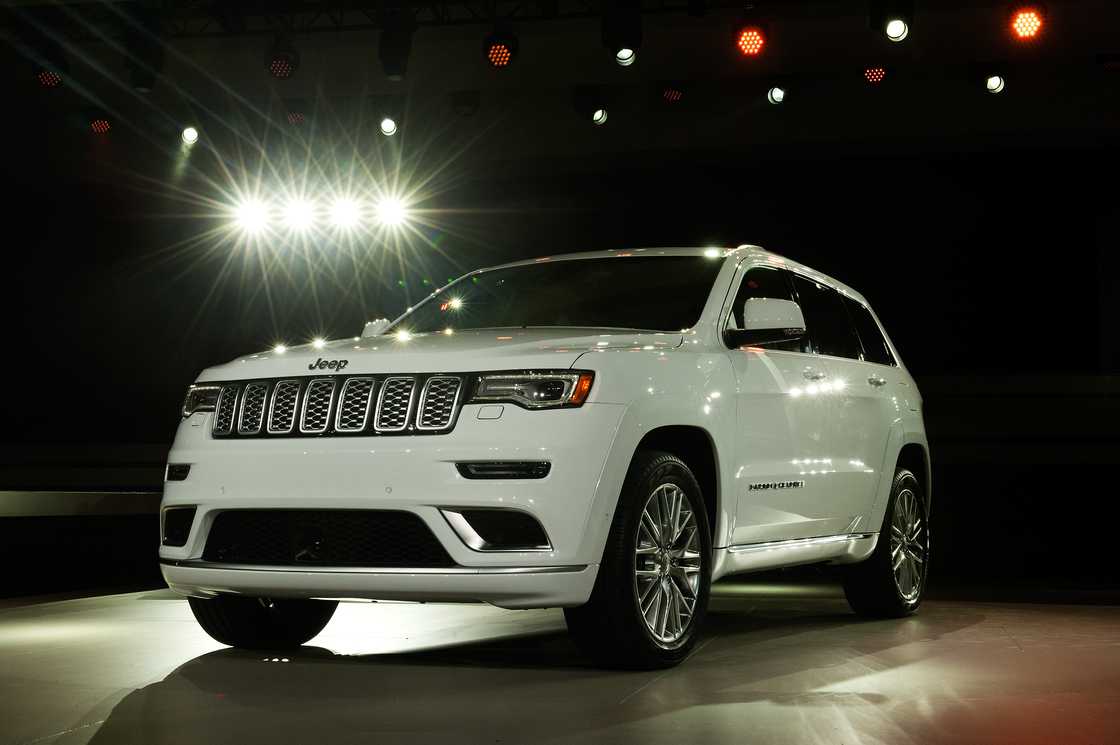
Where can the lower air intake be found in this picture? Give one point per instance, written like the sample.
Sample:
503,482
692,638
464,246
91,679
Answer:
328,538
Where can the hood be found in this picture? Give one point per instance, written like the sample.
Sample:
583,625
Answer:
463,351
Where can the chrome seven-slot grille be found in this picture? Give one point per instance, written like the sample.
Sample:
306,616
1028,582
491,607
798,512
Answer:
308,407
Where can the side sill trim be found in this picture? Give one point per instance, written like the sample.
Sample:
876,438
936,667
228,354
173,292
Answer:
797,542
311,569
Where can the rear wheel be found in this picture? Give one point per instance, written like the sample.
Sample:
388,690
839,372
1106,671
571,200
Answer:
651,592
260,623
890,583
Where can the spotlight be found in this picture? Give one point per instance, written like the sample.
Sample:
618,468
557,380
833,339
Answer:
388,126
395,42
345,213
296,110
296,118
299,214
897,29
750,40
1027,22
48,78
283,59
190,135
892,18
875,75
622,29
251,216
599,116
776,95
391,211
100,125
499,48
994,84
591,101
672,94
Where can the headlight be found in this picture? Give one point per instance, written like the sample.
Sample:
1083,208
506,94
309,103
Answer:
536,390
200,398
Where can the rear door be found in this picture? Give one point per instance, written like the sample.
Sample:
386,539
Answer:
859,422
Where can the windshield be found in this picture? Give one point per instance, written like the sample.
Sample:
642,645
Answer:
651,293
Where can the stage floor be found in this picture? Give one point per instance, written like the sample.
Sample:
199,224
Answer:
778,664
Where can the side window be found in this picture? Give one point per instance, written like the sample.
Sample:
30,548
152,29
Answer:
829,328
762,282
875,347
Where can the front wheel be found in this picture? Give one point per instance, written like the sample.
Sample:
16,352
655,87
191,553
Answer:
260,623
651,593
890,583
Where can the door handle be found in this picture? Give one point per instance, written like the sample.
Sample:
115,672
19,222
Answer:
814,374
876,381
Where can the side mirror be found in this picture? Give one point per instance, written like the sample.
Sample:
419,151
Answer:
767,320
375,327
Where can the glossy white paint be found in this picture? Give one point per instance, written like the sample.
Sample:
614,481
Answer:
770,416
764,313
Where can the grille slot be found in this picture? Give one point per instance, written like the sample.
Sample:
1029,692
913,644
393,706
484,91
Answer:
252,409
394,404
282,412
225,410
316,414
334,538
353,405
437,403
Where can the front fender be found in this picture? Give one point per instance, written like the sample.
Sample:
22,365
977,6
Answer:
660,389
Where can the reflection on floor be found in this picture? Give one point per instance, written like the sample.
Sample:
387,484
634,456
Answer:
776,665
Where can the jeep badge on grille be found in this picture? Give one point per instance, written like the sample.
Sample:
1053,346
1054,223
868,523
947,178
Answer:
322,364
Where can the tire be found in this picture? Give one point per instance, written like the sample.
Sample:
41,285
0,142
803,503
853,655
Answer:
873,587
611,626
260,623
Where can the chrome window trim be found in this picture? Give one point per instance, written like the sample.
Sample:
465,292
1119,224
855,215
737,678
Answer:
342,398
424,398
381,399
218,408
272,407
241,430
307,397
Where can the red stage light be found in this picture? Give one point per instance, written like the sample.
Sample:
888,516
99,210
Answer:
281,67
672,95
499,54
1026,23
49,79
750,41
100,126
875,75
296,117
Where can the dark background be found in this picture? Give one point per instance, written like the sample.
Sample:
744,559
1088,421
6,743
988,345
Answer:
982,229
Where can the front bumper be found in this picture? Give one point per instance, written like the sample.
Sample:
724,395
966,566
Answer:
506,587
415,474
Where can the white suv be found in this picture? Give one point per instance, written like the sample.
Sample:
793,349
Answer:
603,432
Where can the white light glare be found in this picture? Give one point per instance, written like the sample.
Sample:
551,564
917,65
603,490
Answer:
600,116
995,84
625,56
345,213
388,126
299,214
190,135
318,342
279,349
391,211
251,216
897,29
712,253
776,95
